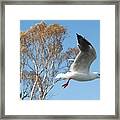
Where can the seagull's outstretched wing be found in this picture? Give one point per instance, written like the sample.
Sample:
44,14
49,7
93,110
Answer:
85,57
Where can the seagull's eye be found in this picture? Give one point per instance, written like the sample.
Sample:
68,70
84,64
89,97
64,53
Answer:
99,74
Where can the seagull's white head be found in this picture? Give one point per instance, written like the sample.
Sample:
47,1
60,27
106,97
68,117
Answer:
96,75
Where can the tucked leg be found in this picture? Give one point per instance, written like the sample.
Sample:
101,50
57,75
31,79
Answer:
66,84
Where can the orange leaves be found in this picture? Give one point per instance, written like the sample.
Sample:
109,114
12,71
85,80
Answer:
42,26
71,53
23,48
22,34
53,49
43,33
73,50
55,29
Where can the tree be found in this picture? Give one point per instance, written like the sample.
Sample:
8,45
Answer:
41,57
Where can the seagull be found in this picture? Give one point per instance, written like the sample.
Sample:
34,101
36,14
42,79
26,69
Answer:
80,68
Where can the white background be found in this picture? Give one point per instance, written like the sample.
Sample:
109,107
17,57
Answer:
106,15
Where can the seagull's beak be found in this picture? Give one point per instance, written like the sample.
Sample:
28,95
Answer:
98,75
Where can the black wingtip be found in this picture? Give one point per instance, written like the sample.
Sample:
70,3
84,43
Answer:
83,43
79,36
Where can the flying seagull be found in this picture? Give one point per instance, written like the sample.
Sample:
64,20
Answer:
80,68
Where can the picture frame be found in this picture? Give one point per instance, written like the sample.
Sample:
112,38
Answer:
2,67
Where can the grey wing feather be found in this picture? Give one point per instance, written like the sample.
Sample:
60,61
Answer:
84,58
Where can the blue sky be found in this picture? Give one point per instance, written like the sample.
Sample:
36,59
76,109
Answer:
90,29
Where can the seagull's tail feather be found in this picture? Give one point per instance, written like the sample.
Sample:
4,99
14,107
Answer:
59,76
71,59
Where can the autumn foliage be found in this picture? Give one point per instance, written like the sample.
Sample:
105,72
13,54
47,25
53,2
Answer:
41,56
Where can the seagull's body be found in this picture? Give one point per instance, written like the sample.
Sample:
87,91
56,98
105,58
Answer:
79,70
78,76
